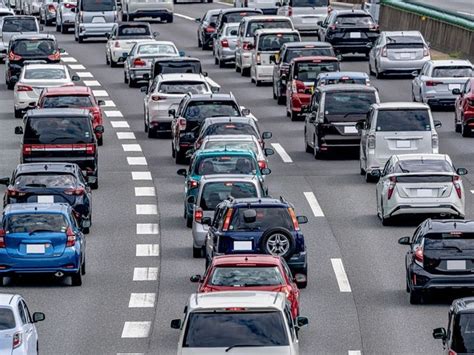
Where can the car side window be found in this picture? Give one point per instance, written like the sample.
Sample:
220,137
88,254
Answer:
289,321
219,220
423,69
27,312
316,98
22,314
386,168
450,325
287,270
467,88
241,29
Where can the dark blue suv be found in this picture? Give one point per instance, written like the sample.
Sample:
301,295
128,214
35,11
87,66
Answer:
257,225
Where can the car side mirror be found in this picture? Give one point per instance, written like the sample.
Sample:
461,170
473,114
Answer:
197,19
245,111
439,333
195,278
360,125
75,78
144,89
273,59
99,129
302,219
265,171
176,324
191,199
414,73
85,223
204,73
18,130
301,321
182,53
38,317
461,171
376,173
171,112
267,135
156,34
437,124
32,104
182,172
268,151
206,220
5,181
456,91
101,103
125,55
216,89
404,241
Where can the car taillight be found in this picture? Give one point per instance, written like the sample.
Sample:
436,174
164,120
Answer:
90,149
13,56
210,29
198,214
17,338
391,187
262,164
259,58
76,192
117,44
55,56
2,238
452,352
384,52
26,149
69,6
182,124
426,51
71,237
12,192
138,62
192,184
51,8
418,256
296,225
290,11
457,185
298,87
246,46
225,43
157,97
432,83
228,216
434,141
371,141
23,88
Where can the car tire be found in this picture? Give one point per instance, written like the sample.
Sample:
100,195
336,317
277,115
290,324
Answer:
465,132
245,71
302,285
150,132
95,185
294,116
17,113
221,64
416,297
281,100
64,29
278,235
10,85
132,83
83,268
371,72
113,64
179,159
378,75
386,221
100,141
170,19
189,221
197,252
76,279
125,78
80,39
199,42
237,68
368,178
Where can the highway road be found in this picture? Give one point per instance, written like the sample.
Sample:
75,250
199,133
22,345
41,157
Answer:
139,250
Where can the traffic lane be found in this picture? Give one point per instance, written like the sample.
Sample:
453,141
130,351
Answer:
463,7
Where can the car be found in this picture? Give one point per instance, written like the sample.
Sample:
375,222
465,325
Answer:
419,184
464,108
94,19
268,7
121,39
250,272
212,190
19,334
392,128
33,79
302,75
42,238
305,14
398,52
139,62
165,92
16,25
331,117
225,43
213,162
31,7
65,15
161,9
229,15
349,31
437,80
258,226
268,43
342,77
287,53
458,338
439,258
247,322
192,111
206,28
246,36
69,129
47,11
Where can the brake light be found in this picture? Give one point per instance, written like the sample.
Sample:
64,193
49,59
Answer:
290,11
12,192
71,237
235,309
117,44
371,141
55,56
426,51
457,185
433,83
391,187
262,164
69,6
210,29
76,192
294,219
224,43
182,124
198,214
246,46
192,184
16,340
434,141
90,149
2,238
419,256
23,88
51,8
138,62
384,51
298,87
13,56
228,215
259,58
26,149
452,352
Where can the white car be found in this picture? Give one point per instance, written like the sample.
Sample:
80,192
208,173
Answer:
65,15
423,184
34,78
18,334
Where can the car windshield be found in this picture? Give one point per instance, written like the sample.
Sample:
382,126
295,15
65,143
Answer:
133,31
239,145
403,120
178,67
7,319
33,48
269,23
452,72
214,193
351,20
308,51
157,49
24,24
225,164
463,333
405,42
440,241
309,3
98,5
267,217
58,130
423,166
273,42
199,110
307,71
246,276
45,74
74,101
183,87
230,128
237,16
348,103
45,180
35,222
223,329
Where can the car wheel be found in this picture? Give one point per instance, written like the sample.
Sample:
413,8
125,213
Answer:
80,39
199,42
378,74
278,242
413,97
316,151
95,185
368,177
221,64
281,100
132,83
294,116
83,268
17,113
197,252
100,141
76,279
150,132
386,221
371,72
113,64
245,71
305,273
465,132
63,29
125,78
170,19
179,159
416,297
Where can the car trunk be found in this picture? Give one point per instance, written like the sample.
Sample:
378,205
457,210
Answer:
39,245
422,186
405,51
447,85
44,195
451,255
6,341
401,142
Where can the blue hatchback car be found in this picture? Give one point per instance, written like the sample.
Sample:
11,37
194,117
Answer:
37,238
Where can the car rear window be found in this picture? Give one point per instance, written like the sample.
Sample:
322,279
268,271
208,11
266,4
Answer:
7,319
247,145
214,193
230,128
423,166
45,74
223,329
308,51
308,71
45,180
98,5
229,29
35,222
309,3
450,240
463,330
133,30
403,120
156,49
269,23
348,103
34,48
239,276
405,42
237,16
342,80
225,164
19,25
452,71
353,20
199,110
58,130
183,87
267,217
273,42
178,67
73,101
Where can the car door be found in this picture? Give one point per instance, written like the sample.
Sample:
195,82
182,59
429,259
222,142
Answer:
367,124
382,185
375,51
113,35
28,330
212,234
416,82
411,251
33,333
464,99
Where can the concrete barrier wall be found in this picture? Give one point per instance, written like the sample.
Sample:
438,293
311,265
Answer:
352,1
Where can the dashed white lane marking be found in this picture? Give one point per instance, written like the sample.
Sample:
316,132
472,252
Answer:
100,93
313,203
141,175
185,17
136,329
126,135
148,250
147,228
64,53
283,154
144,191
91,83
142,300
119,124
84,74
69,60
472,191
131,147
136,161
354,352
146,209
224,3
108,103
113,113
130,354
145,274
77,66
341,275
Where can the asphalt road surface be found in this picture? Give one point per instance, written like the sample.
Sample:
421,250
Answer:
139,256
461,7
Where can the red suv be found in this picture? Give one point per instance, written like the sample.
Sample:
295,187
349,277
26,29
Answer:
250,272
74,97
464,108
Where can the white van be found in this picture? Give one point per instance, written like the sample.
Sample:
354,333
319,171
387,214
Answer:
305,14
268,7
162,9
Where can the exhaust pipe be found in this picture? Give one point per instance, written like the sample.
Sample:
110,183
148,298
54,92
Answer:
59,274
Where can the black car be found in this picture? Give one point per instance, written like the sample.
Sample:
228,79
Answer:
37,48
441,257
61,135
235,15
349,31
207,26
288,52
50,183
459,336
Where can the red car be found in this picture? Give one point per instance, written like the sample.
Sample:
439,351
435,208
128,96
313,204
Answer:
74,97
251,272
302,74
464,108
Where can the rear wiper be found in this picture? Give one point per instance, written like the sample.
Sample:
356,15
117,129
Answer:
41,231
64,137
243,346
452,247
352,113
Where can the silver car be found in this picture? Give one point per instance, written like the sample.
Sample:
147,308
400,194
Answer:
15,25
225,44
47,12
65,15
398,52
94,18
305,14
395,128
423,184
213,189
437,80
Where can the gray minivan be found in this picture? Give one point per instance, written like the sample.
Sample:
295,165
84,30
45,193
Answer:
94,18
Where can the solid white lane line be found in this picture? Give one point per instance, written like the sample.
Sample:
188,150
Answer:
130,354
136,329
341,275
113,113
91,83
141,175
144,191
131,147
126,135
119,124
84,74
100,93
223,3
76,66
185,17
148,250
136,161
147,228
146,209
145,274
281,151
108,103
354,352
69,60
313,203
142,300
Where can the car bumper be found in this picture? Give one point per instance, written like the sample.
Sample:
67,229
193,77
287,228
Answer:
68,262
161,125
246,59
227,54
264,72
95,30
68,19
424,280
375,161
412,206
116,54
306,24
400,66
199,234
332,141
139,74
152,13
359,47
22,100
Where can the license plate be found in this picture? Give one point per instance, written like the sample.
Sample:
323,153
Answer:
98,19
35,248
454,86
424,193
243,245
354,35
405,55
403,144
309,20
45,199
456,264
350,129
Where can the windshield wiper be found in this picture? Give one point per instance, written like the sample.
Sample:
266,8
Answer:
42,231
244,346
352,113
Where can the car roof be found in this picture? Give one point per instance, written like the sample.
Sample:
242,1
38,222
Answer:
266,31
224,119
239,9
401,105
228,177
246,259
450,225
18,17
174,59
67,90
401,33
152,41
419,156
46,66
240,299
347,87
58,112
36,207
265,17
182,76
46,167
339,74
465,304
7,298
259,200
213,12
212,97
314,57
303,44
133,24
448,62
220,151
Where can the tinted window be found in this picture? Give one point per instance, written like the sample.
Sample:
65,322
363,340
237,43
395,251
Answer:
270,23
230,128
307,52
215,192
273,42
452,71
464,241
463,333
7,319
246,276
247,145
423,166
225,329
45,180
225,165
403,120
26,48
28,223
212,18
237,16
67,101
342,80
199,110
310,71
19,25
98,5
157,49
131,31
178,67
363,21
267,217
57,130
309,3
45,74
229,29
183,87
348,103
405,41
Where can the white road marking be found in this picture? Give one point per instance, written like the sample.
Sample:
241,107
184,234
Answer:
144,191
148,250
64,53
354,352
146,209
119,124
147,228
77,66
69,60
142,300
126,135
185,17
131,147
84,74
145,274
341,276
136,161
141,175
108,103
224,3
113,113
91,83
100,93
472,191
281,151
136,329
130,354
313,203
